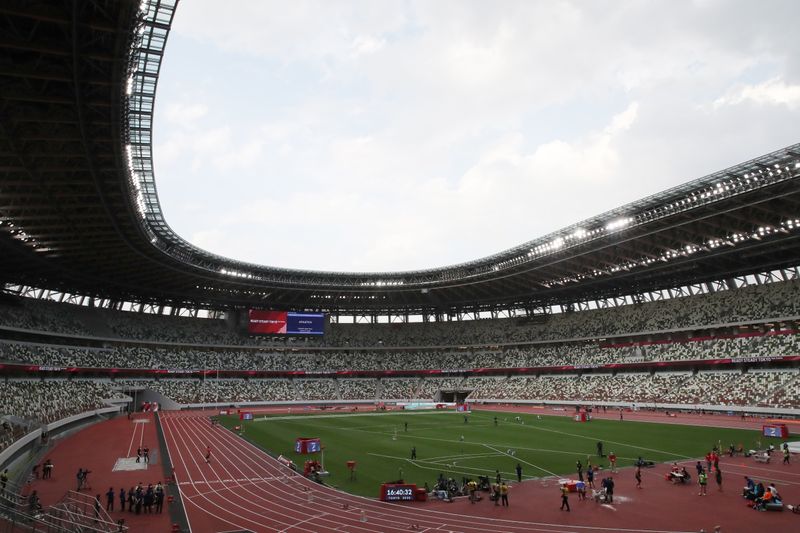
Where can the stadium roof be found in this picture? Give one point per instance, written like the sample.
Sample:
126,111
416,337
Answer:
79,210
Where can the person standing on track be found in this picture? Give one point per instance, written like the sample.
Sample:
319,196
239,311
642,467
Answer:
146,454
638,477
718,478
131,499
564,497
208,454
138,455
702,481
504,493
110,499
122,498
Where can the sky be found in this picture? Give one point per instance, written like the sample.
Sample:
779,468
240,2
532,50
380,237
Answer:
382,136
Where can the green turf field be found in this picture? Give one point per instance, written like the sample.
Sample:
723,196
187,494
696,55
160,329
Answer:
544,446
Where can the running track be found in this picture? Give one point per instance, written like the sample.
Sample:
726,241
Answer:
245,489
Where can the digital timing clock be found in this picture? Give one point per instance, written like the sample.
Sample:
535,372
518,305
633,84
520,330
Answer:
395,492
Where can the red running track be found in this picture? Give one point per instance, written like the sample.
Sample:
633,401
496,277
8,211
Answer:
243,488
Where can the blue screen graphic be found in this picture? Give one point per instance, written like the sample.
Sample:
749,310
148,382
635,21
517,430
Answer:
305,323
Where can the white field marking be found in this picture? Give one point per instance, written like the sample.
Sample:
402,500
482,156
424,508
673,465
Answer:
777,471
174,476
607,441
733,469
438,439
459,470
445,461
303,522
232,480
399,511
288,511
133,436
185,465
183,433
522,461
453,457
669,422
348,415
191,430
438,463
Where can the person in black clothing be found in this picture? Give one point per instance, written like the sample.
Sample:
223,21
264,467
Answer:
159,495
96,507
148,500
413,452
3,481
600,449
610,490
519,473
47,469
110,499
138,455
579,468
122,499
146,454
495,421
405,426
131,499
33,504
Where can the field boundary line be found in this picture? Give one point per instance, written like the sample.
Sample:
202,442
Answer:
523,461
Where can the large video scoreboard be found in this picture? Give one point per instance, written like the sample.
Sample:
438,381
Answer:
262,322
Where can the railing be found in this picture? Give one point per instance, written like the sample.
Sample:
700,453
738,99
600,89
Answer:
75,512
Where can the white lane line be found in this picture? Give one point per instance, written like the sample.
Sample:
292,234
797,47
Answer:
133,436
523,461
470,523
194,429
311,519
202,509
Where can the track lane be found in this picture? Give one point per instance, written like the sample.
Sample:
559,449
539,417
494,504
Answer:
286,495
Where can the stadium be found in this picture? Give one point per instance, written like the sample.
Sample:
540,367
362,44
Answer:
210,394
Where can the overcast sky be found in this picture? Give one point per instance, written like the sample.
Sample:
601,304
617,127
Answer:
399,135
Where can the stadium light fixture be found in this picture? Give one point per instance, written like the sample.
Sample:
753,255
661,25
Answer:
618,224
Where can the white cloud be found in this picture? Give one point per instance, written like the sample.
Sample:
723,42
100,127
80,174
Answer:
414,134
184,114
771,92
